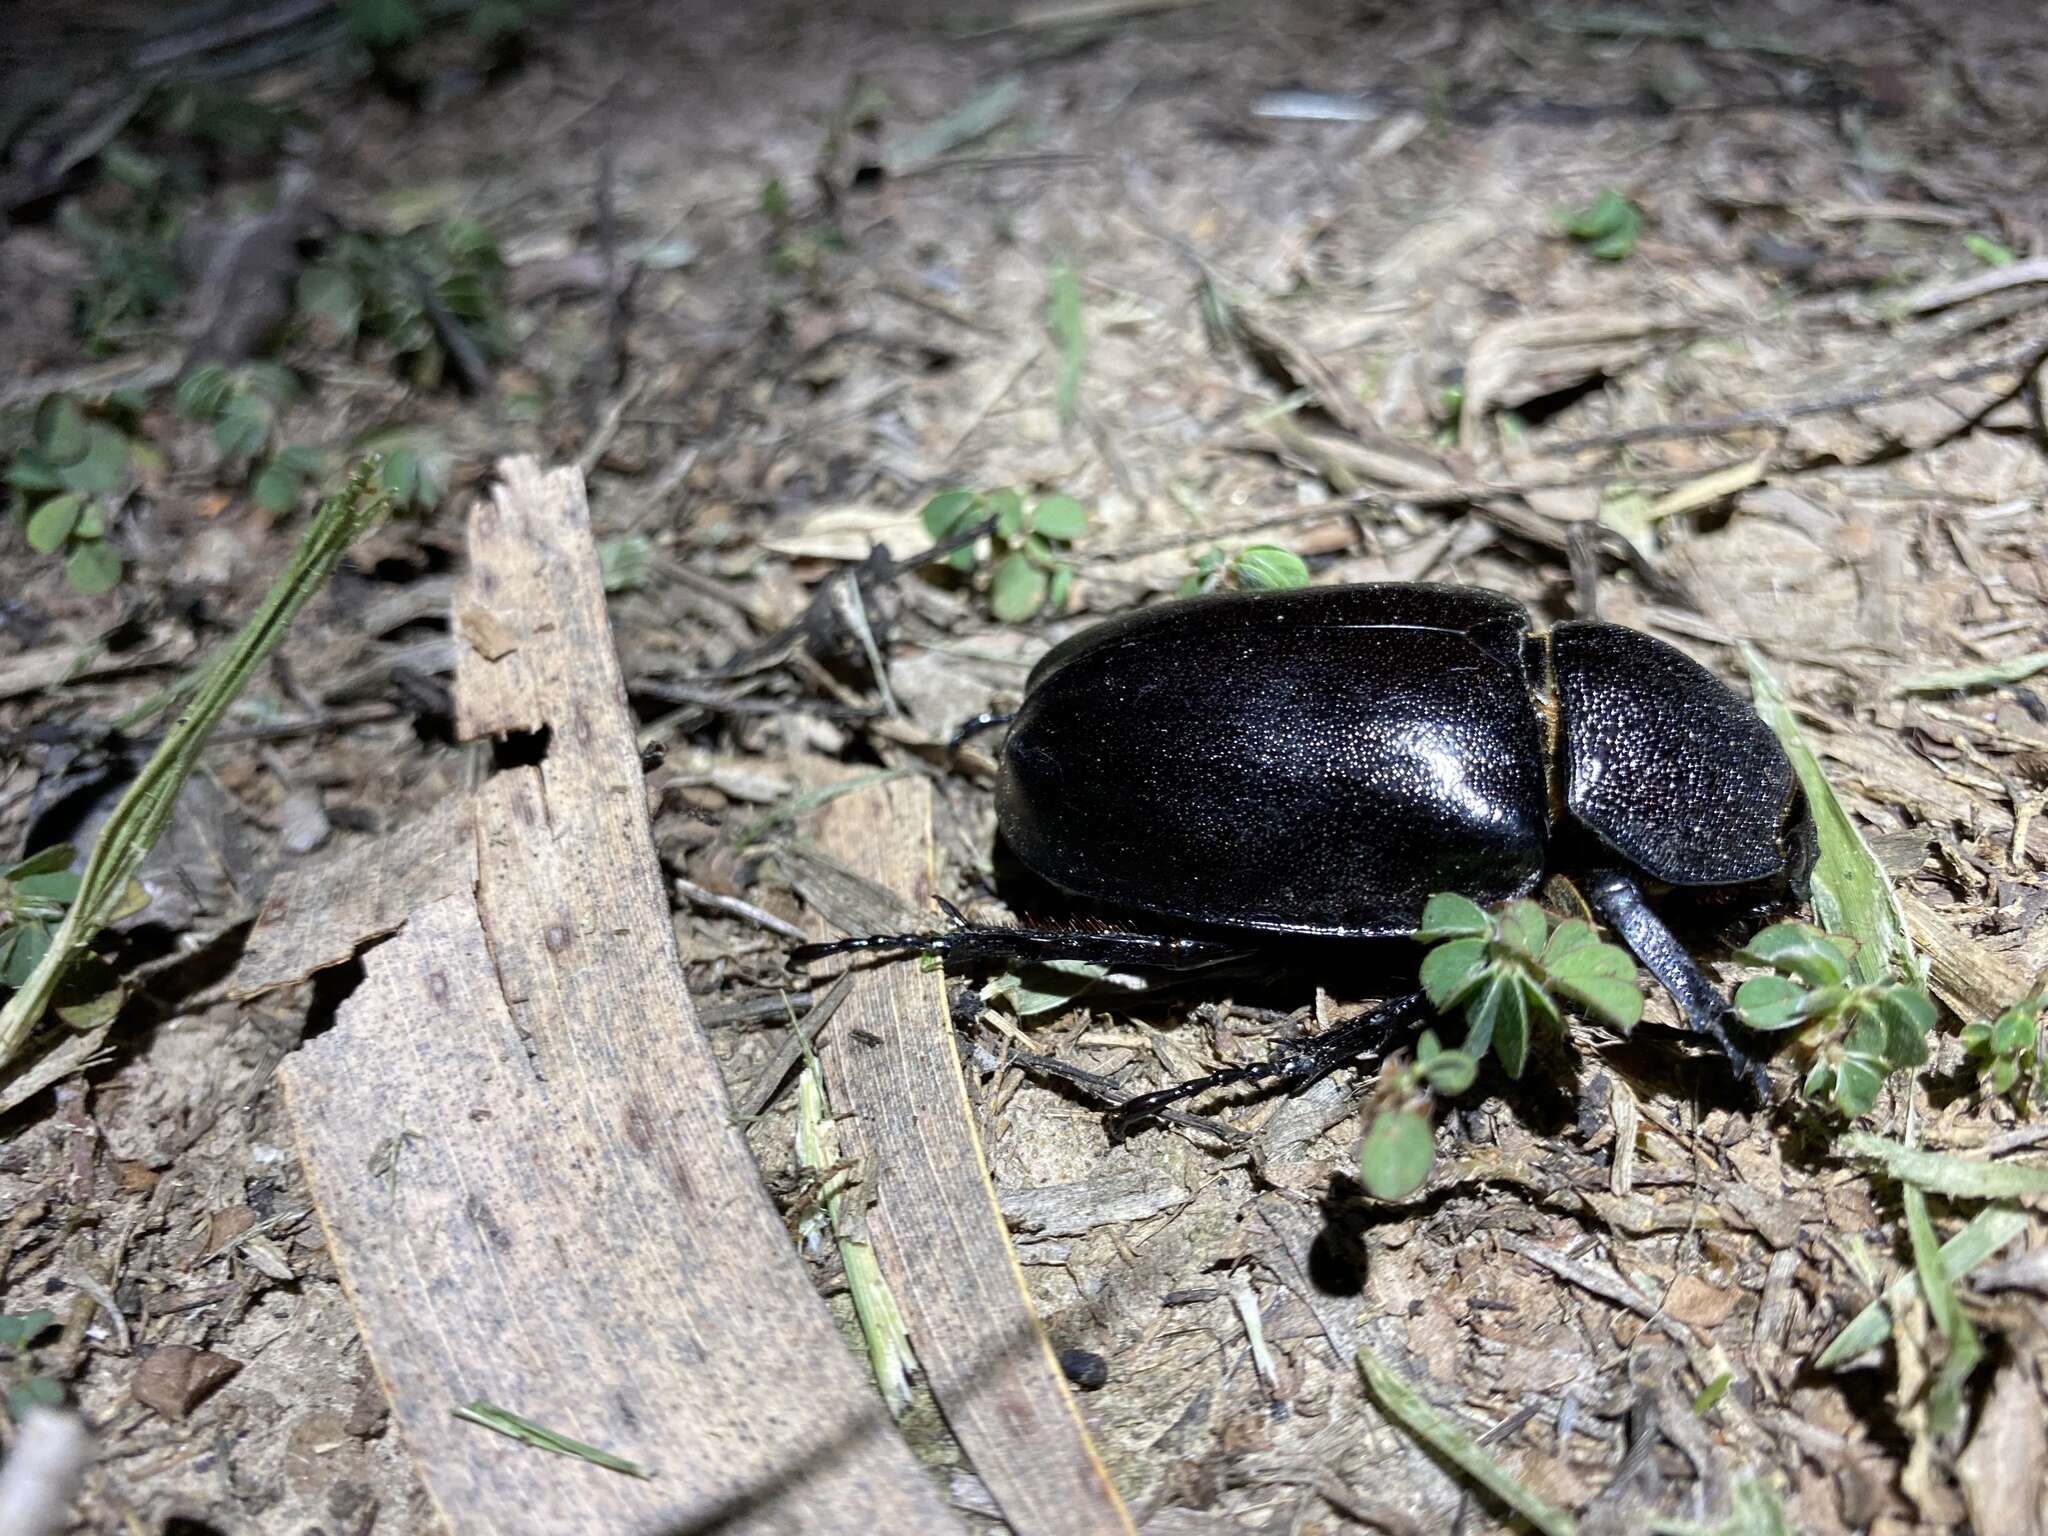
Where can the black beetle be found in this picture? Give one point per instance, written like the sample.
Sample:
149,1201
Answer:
1316,763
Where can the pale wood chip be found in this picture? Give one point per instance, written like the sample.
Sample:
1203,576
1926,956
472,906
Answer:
1970,979
891,1063
488,635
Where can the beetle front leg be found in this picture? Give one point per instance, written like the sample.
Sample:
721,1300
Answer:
1619,900
1297,1064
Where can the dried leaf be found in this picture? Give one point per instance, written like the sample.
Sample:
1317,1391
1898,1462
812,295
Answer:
177,1378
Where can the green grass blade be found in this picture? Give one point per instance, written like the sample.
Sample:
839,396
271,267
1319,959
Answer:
1070,337
882,1327
1960,1177
1851,893
1981,1237
1756,1512
1990,674
143,813
1403,1404
1965,1349
505,1422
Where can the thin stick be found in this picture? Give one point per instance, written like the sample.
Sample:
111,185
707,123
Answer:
2022,361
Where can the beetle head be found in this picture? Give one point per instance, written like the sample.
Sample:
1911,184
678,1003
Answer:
1667,767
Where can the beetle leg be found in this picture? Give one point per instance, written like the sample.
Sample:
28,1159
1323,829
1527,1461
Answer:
973,726
1298,1064
1618,899
968,946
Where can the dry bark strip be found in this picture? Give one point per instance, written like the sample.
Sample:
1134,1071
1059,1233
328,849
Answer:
319,915
524,1157
937,1232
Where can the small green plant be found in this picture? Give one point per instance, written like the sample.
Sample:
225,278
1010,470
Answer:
1030,543
414,467
801,244
380,24
130,242
1507,968
624,563
107,883
1856,1036
385,25
71,479
802,252
401,291
243,405
219,118
2006,1052
1254,568
1608,227
1400,1142
26,1389
34,897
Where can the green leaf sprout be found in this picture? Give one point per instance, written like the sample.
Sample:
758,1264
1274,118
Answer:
1400,1144
1608,227
1507,969
1028,545
1856,1035
2006,1051
70,480
1255,568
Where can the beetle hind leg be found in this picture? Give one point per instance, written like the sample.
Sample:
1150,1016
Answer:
974,946
1297,1064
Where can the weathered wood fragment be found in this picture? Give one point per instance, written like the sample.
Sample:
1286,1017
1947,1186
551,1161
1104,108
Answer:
522,1151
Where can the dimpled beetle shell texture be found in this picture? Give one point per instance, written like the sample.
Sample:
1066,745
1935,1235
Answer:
1664,764
1317,761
